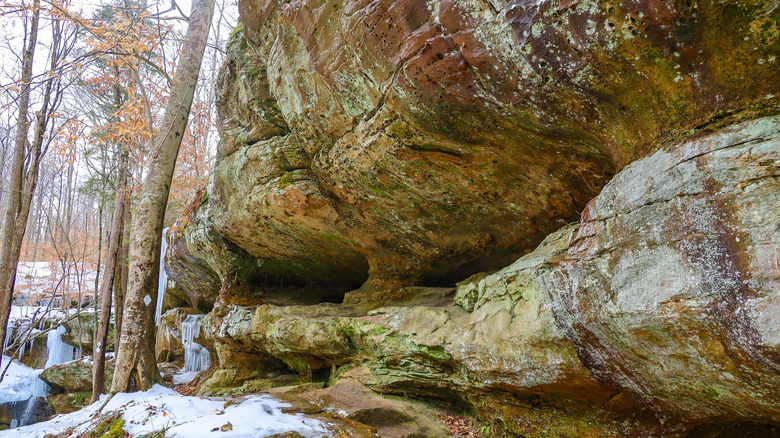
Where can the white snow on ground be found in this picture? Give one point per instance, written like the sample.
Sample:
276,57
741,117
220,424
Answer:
27,312
33,269
184,376
36,280
185,417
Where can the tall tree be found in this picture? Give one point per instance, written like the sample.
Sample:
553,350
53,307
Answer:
28,153
9,253
112,259
120,289
136,367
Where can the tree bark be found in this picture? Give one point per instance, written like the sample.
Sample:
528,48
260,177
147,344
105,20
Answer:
120,291
12,226
99,363
135,359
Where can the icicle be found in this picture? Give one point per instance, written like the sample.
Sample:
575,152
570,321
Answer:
196,357
161,286
9,334
59,351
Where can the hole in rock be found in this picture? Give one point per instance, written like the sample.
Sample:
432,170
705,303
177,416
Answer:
456,267
307,282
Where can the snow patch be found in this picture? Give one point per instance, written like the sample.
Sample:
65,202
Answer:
183,417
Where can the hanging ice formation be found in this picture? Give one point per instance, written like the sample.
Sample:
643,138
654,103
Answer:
23,330
59,351
163,281
9,333
196,357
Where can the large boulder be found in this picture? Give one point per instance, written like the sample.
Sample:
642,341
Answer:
75,376
661,306
191,261
671,288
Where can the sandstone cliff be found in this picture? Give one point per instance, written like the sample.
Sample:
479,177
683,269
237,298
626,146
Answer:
389,143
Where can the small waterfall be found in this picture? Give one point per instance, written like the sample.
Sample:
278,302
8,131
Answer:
196,357
25,396
25,409
59,351
163,280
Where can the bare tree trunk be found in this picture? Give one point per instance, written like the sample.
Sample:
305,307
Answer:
65,228
99,364
37,228
135,358
120,290
99,248
9,255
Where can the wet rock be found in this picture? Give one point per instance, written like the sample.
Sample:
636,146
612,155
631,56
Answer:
40,411
70,402
35,355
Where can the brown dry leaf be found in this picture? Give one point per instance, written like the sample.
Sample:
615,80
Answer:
459,426
226,427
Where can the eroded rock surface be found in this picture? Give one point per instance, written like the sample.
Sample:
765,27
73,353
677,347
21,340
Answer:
662,301
671,288
389,143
